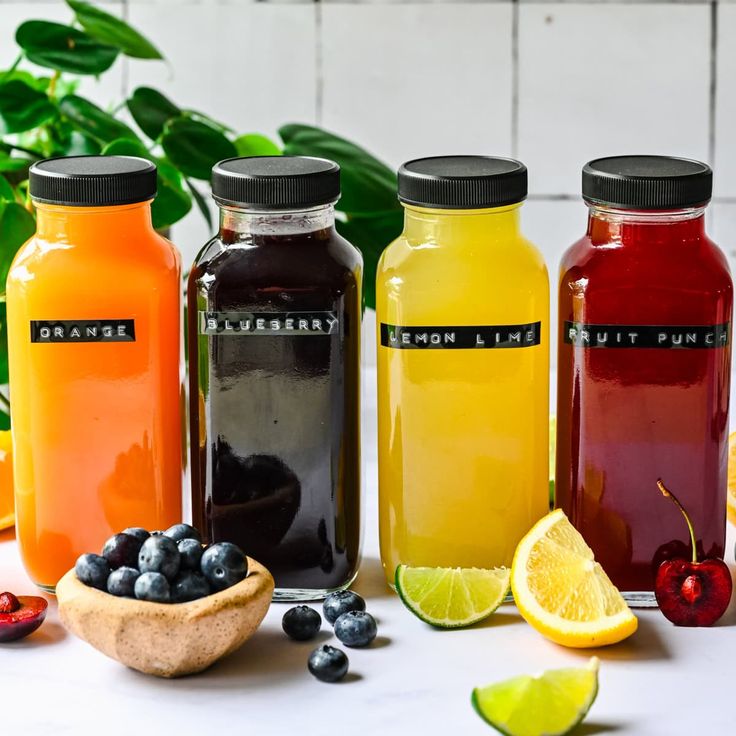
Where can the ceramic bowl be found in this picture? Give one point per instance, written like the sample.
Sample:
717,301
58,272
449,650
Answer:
166,639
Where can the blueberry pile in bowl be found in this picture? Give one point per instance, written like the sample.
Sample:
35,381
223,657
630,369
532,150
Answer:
163,567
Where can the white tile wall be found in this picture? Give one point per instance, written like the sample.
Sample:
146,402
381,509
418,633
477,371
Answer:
416,80
725,122
605,79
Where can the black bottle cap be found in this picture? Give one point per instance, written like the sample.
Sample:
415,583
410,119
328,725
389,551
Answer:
276,182
93,181
647,182
462,182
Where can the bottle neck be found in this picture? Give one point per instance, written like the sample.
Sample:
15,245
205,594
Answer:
77,224
607,225
237,225
423,224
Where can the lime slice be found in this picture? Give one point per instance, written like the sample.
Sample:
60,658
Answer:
551,704
452,597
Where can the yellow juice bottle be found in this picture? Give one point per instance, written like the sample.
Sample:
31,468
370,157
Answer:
463,358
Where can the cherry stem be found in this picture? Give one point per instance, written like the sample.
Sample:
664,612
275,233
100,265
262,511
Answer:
668,494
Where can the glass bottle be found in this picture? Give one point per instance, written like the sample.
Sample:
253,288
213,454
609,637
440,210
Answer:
643,370
274,350
462,313
94,324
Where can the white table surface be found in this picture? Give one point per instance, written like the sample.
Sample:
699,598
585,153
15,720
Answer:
664,681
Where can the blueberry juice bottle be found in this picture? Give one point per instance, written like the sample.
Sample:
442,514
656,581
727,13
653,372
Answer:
274,318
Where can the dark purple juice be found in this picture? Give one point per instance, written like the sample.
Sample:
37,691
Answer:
274,335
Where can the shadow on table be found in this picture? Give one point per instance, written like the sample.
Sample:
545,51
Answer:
371,580
267,658
592,728
645,644
7,535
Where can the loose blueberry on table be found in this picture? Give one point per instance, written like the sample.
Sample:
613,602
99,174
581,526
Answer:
328,664
692,592
341,602
20,615
356,629
301,623
162,567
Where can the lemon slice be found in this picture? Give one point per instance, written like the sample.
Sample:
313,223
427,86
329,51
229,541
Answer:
563,592
452,597
732,477
552,704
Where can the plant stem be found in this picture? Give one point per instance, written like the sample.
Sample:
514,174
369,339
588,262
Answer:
668,494
52,83
29,151
9,71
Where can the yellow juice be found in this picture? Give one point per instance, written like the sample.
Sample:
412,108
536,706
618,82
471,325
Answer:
462,431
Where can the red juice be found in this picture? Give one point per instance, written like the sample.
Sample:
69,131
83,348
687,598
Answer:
645,307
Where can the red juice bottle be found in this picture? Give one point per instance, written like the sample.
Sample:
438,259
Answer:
644,359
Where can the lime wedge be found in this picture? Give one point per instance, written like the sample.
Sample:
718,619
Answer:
551,704
452,597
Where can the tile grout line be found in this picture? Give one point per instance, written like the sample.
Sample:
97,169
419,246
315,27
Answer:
515,78
318,63
712,90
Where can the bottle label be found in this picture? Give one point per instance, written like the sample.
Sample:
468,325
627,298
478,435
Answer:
463,337
681,337
82,330
268,323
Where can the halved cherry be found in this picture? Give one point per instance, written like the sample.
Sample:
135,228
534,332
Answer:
20,615
692,592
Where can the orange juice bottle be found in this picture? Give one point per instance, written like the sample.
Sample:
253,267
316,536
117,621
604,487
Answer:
93,336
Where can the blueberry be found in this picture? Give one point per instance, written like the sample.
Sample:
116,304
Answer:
92,570
328,664
356,629
301,623
189,586
341,602
191,553
121,550
121,582
159,554
152,586
182,531
138,532
223,564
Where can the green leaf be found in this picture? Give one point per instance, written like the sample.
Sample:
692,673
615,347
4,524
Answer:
4,418
201,203
16,226
22,107
194,148
40,84
255,144
93,121
12,163
6,191
78,144
61,47
172,201
368,185
113,31
151,111
371,235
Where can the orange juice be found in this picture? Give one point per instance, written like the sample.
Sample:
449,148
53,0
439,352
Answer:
94,337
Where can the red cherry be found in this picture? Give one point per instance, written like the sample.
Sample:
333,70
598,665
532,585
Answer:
693,593
689,592
20,616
